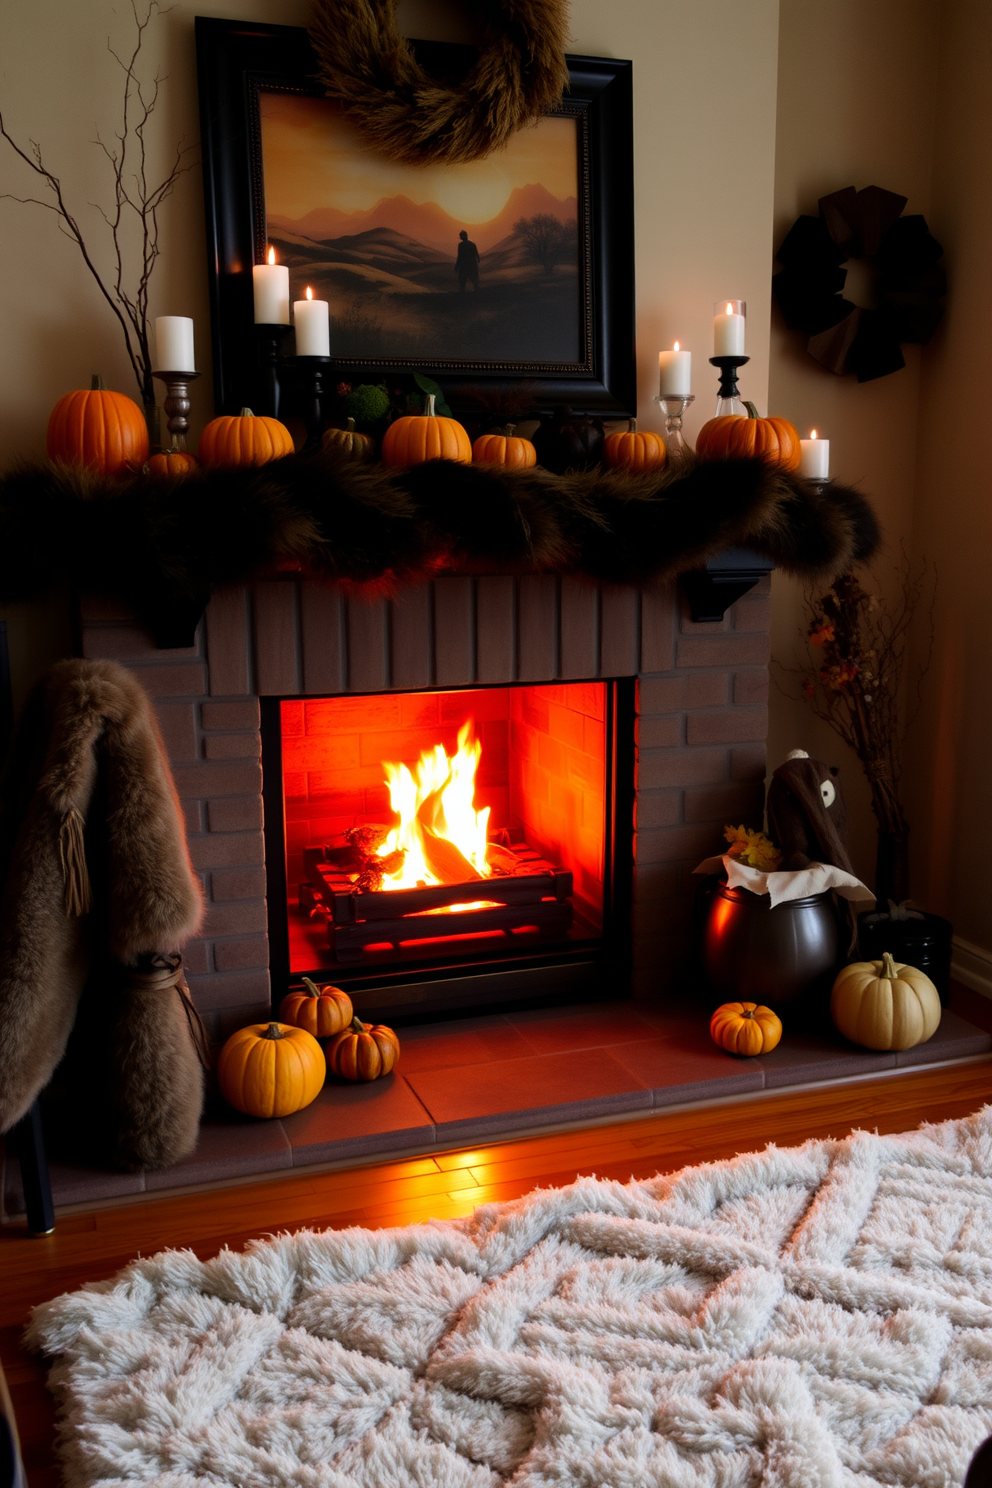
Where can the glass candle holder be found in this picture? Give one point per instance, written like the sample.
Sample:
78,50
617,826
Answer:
729,319
673,406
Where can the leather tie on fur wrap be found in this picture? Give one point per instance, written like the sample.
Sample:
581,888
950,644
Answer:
161,545
98,888
407,115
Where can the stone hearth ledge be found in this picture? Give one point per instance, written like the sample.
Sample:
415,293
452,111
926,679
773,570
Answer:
494,1077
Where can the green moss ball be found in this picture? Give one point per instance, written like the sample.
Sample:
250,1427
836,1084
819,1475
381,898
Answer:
366,404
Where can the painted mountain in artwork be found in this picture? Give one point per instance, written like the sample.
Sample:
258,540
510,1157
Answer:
424,223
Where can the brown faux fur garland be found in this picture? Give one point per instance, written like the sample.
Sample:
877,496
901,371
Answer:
406,114
162,545
85,930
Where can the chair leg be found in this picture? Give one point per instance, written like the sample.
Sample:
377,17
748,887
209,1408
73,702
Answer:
29,1144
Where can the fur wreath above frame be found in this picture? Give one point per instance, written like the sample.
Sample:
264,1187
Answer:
366,65
161,545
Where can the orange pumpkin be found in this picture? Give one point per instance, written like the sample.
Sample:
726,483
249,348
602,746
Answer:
349,442
363,1052
99,429
271,1069
504,449
745,1028
243,439
425,436
771,439
170,462
322,1011
634,449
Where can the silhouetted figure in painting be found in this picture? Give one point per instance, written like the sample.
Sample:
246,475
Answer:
467,262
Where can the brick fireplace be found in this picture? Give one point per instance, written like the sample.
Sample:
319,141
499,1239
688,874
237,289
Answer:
699,696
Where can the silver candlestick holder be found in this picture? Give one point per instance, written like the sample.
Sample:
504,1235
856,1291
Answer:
673,406
177,404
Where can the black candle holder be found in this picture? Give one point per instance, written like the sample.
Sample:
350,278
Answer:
728,398
177,404
310,372
270,339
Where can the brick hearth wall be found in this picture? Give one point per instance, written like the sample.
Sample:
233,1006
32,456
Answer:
701,727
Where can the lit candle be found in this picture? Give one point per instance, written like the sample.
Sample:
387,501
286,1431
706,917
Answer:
173,344
814,461
675,373
271,282
728,329
313,337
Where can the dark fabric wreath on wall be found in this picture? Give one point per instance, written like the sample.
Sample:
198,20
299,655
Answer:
910,281
365,64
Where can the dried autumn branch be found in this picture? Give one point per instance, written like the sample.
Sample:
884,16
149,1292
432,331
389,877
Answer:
855,685
133,217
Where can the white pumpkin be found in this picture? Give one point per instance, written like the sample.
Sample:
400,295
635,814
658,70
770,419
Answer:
883,1005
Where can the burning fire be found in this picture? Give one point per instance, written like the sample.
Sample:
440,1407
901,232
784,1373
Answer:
442,837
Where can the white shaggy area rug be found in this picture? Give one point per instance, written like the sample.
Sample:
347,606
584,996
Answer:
798,1318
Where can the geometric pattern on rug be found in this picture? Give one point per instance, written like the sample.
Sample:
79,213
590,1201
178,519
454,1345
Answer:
808,1317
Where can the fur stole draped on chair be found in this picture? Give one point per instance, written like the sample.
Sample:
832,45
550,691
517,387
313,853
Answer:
99,893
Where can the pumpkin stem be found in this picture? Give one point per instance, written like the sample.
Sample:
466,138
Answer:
752,410
508,430
274,1031
311,987
350,426
97,384
632,426
357,1026
888,971
429,410
246,413
747,1013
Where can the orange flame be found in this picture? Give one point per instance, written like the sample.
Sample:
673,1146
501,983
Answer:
440,832
309,293
272,256
676,346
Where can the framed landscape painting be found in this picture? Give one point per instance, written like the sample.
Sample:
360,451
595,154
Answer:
513,268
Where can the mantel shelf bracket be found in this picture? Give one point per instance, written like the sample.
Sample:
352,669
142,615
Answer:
713,589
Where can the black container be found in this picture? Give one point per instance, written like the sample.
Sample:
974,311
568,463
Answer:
785,957
924,943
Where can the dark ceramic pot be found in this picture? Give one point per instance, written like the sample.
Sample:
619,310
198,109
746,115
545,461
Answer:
784,957
924,943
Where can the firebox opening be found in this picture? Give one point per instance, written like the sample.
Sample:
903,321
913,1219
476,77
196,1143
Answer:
445,828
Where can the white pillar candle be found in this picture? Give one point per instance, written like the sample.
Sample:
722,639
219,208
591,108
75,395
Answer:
728,330
271,283
814,460
313,336
674,373
174,344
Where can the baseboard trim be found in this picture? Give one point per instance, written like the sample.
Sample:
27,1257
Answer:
972,965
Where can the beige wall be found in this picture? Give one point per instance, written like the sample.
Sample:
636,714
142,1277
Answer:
949,783
704,103
855,107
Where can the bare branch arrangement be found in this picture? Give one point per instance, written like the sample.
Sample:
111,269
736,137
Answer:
856,686
133,216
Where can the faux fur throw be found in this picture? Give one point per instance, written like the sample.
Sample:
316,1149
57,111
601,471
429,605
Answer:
808,1317
97,878
161,545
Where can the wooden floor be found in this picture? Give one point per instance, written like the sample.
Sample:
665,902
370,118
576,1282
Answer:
87,1247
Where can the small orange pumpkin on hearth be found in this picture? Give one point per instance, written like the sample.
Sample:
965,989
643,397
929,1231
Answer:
271,1069
504,449
102,430
774,440
322,1011
244,439
363,1052
635,449
419,437
745,1028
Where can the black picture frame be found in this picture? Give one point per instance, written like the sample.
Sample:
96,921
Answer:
235,60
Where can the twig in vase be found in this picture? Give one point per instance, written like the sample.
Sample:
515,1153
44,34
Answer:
135,205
